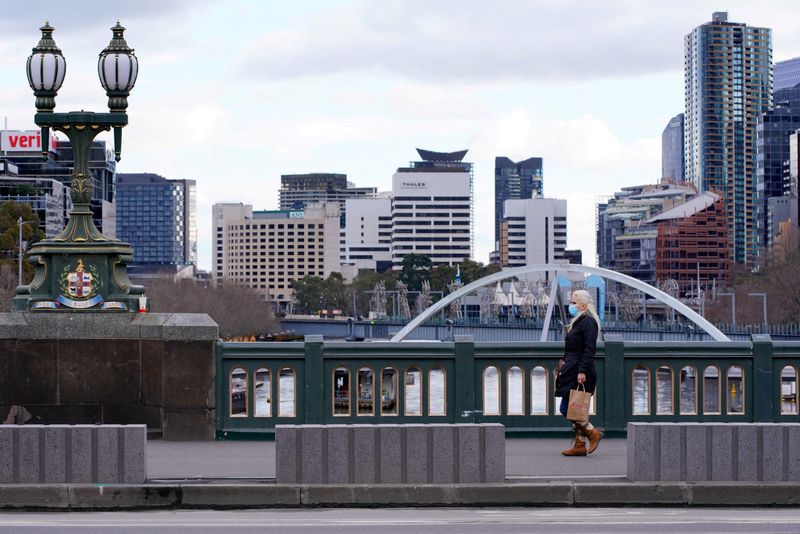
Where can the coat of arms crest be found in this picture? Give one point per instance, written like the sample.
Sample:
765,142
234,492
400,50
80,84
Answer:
79,287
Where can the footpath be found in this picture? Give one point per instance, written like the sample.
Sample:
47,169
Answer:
241,474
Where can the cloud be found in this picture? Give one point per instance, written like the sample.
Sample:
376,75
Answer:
475,40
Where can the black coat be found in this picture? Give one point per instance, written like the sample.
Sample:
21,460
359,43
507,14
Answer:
579,350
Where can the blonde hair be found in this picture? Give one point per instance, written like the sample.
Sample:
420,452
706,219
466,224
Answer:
581,296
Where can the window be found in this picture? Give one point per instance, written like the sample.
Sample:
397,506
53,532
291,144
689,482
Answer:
413,391
263,389
539,391
735,390
788,391
287,401
389,391
664,400
437,392
515,404
641,390
688,390
366,392
491,391
238,392
711,393
341,391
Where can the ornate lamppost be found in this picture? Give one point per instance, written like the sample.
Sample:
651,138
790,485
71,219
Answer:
81,269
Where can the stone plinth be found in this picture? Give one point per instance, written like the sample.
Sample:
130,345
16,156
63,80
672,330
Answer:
73,454
699,452
112,368
390,454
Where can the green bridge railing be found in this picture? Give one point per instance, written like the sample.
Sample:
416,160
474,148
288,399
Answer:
260,385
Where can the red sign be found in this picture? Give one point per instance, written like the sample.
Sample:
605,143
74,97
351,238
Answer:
24,141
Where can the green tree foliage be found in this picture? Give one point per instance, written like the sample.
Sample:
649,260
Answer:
10,212
414,269
309,292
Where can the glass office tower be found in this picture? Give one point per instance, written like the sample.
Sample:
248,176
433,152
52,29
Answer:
514,181
157,217
728,86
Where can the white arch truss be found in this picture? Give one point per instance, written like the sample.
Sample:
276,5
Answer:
656,293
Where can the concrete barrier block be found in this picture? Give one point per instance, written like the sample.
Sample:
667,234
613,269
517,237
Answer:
672,463
697,461
745,494
444,454
81,454
7,455
793,456
311,456
391,454
286,467
339,461
747,445
494,445
468,457
611,493
123,496
772,465
240,495
365,465
722,459
134,447
642,456
417,459
29,469
55,454
108,457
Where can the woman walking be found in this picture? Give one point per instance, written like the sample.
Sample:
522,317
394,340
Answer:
578,370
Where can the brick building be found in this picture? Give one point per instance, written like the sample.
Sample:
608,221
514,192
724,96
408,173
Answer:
692,243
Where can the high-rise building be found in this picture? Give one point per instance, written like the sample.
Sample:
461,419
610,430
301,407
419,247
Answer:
772,148
787,73
515,180
48,197
533,231
672,149
626,243
432,209
268,250
299,190
158,217
692,243
22,148
728,86
368,234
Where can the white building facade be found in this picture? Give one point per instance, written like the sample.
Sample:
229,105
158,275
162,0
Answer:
431,216
533,231
268,250
367,236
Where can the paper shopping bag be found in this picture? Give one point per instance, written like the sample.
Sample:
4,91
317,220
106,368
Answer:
578,408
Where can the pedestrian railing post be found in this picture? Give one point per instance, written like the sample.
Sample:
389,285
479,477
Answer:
763,390
464,394
614,386
314,381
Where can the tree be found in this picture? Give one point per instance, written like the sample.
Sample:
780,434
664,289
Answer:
415,268
333,292
309,293
239,311
10,212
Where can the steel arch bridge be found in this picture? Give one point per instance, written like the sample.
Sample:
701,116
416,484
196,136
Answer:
555,270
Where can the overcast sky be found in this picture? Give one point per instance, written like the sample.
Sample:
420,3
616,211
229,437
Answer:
233,94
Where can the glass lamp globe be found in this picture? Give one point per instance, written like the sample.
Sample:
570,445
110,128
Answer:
46,68
118,68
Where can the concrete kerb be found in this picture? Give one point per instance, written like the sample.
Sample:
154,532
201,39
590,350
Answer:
268,495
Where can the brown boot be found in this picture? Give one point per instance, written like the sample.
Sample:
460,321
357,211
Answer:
578,449
594,436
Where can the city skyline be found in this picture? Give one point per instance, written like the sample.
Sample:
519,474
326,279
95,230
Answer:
239,94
